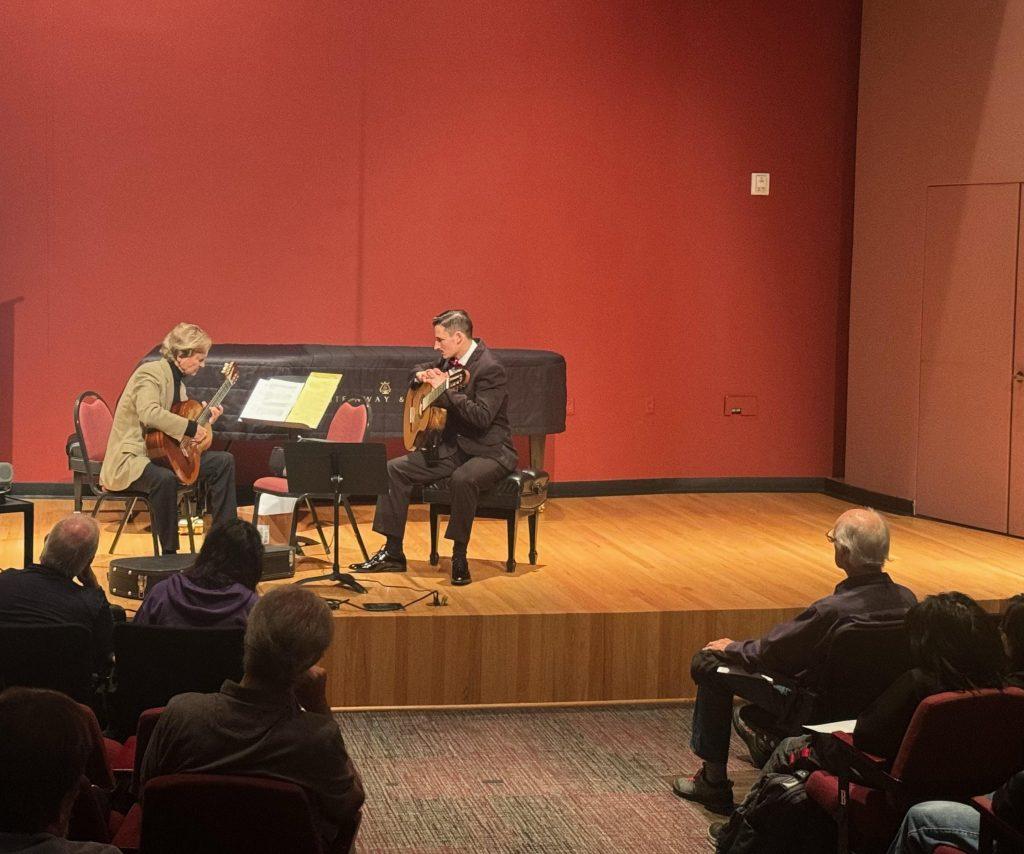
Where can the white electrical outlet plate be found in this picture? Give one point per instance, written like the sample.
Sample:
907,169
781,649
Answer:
759,183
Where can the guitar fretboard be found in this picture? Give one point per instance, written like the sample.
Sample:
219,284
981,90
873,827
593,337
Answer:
221,393
428,399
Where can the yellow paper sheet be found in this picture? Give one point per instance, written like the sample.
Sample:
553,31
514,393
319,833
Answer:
314,398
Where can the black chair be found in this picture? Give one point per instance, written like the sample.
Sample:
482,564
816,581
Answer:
154,663
58,656
864,658
521,493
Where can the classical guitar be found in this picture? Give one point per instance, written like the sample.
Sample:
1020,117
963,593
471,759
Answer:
183,457
423,421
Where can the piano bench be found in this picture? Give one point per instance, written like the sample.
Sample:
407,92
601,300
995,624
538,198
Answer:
521,493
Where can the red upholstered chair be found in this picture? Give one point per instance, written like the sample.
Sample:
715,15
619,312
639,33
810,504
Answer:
957,745
93,423
128,759
211,813
349,424
91,818
214,813
993,828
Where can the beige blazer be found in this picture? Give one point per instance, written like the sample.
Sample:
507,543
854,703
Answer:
145,404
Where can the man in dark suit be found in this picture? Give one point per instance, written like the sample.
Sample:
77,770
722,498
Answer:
475,449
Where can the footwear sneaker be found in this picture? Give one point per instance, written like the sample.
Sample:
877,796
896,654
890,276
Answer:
761,744
197,525
717,797
715,832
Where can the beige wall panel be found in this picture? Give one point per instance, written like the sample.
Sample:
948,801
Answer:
967,353
939,103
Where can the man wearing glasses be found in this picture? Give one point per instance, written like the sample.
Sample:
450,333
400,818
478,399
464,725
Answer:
795,649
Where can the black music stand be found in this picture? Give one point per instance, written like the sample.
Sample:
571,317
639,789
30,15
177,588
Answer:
328,467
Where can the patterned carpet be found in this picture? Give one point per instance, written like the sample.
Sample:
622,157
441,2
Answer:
531,780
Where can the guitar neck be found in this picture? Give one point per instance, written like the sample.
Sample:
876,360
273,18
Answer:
222,392
434,394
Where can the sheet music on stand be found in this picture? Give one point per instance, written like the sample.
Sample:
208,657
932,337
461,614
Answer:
289,403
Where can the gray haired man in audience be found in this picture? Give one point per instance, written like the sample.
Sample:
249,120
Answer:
276,722
723,668
62,588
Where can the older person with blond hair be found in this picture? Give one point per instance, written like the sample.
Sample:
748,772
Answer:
145,404
62,588
722,669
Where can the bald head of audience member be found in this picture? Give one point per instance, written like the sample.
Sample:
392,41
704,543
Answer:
861,541
42,758
71,545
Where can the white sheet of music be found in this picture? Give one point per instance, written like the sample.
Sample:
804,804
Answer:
832,726
271,400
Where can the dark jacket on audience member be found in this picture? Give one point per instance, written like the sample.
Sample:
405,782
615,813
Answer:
263,734
797,647
882,725
39,595
1008,801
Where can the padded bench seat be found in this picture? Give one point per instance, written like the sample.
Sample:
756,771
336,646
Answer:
521,493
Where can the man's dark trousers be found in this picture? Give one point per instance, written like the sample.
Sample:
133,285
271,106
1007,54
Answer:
216,470
712,711
469,477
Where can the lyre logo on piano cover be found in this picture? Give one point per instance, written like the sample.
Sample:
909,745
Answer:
385,387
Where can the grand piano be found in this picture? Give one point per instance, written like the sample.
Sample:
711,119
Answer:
378,376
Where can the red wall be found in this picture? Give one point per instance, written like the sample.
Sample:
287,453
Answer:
576,174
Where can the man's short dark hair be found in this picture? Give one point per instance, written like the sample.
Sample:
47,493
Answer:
43,749
455,320
288,631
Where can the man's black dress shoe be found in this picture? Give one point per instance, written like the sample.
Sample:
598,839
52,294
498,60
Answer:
460,571
383,561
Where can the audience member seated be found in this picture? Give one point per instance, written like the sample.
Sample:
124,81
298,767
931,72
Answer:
795,649
62,587
955,647
42,759
934,823
219,591
276,722
1012,626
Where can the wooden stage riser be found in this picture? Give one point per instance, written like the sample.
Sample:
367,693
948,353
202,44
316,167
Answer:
626,590
541,658
459,659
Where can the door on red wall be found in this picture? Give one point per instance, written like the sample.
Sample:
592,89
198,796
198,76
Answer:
971,428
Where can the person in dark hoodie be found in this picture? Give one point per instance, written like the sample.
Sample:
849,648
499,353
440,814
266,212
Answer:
219,591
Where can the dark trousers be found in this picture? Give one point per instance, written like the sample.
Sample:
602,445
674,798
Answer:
216,472
469,476
712,711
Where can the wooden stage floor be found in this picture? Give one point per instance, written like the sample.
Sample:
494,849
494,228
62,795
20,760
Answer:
625,589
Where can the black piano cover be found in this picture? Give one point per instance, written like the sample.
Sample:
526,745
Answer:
377,375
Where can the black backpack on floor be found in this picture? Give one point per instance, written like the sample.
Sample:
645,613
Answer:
776,817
